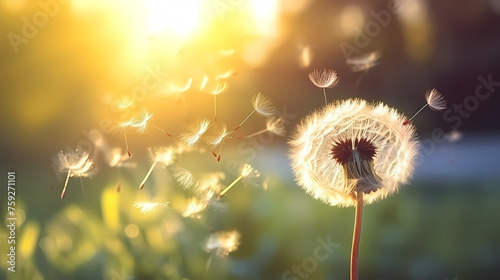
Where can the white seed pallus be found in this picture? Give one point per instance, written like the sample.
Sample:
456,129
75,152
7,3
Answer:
324,79
192,137
223,242
435,101
262,105
183,176
363,62
218,141
149,207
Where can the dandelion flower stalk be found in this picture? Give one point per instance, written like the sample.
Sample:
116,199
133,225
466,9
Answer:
356,236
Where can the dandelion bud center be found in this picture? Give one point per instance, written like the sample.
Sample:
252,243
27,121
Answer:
356,157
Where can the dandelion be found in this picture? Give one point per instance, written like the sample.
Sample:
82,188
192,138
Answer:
221,87
183,176
246,171
76,164
262,105
274,125
435,101
324,79
223,243
163,156
218,141
353,153
192,137
149,207
363,62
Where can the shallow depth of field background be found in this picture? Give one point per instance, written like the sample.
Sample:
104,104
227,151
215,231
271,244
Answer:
60,89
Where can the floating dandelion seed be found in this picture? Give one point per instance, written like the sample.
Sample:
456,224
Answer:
204,82
221,87
324,79
122,126
192,137
435,101
223,243
274,125
218,141
363,62
246,170
143,124
305,56
353,153
183,176
225,75
227,52
76,164
149,207
125,102
180,89
262,105
163,156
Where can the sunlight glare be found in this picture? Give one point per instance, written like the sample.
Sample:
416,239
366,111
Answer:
180,16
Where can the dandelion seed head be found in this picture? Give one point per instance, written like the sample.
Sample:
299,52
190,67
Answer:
276,126
324,79
353,146
246,170
263,105
149,207
223,242
77,163
435,100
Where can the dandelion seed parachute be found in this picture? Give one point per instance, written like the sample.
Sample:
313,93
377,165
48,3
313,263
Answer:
315,148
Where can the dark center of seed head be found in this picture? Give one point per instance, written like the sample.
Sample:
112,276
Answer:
342,150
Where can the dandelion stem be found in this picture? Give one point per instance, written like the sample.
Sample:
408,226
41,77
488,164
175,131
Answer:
207,268
256,133
168,134
229,187
324,94
356,236
63,193
238,126
423,107
81,184
147,175
126,142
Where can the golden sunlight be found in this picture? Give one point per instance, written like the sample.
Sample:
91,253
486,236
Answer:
179,16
